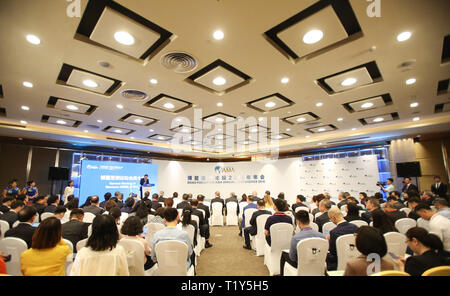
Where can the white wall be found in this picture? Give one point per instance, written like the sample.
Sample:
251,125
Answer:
290,176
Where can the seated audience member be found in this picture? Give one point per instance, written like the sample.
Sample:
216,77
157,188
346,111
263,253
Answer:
161,197
324,206
25,229
140,210
201,206
250,205
368,241
354,201
172,233
363,198
116,213
204,225
302,219
243,198
110,204
352,212
119,200
342,199
317,199
40,203
12,215
3,258
48,251
252,229
438,225
392,212
59,212
379,196
75,229
175,195
186,219
412,204
382,222
155,202
255,196
102,256
372,204
128,206
232,198
268,201
428,252
52,202
107,197
168,203
68,199
299,202
342,227
132,228
280,206
217,199
73,204
94,206
184,201
159,217
6,204
441,206
87,202
427,197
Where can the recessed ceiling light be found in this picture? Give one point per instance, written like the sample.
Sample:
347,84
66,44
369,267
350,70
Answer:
414,105
219,129
86,131
378,119
219,81
153,81
120,106
319,104
25,108
271,104
124,38
288,129
218,35
260,118
60,121
340,119
100,121
285,80
313,36
308,137
321,129
169,106
118,131
27,84
404,36
72,107
138,121
349,81
220,119
319,143
354,129
301,119
33,39
151,130
161,138
254,130
278,137
219,137
366,105
411,81
23,122
219,104
90,83
416,118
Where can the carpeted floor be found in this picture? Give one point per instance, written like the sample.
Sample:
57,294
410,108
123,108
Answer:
227,257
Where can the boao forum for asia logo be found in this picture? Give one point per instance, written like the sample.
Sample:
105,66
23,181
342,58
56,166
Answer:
220,169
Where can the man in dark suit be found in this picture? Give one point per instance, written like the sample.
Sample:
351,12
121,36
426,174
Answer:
412,203
94,206
408,185
342,227
5,206
204,225
40,203
107,197
144,181
217,199
252,230
299,202
12,216
155,202
184,202
427,197
161,197
438,188
24,230
53,202
255,196
371,204
201,206
342,197
392,212
324,207
232,198
75,230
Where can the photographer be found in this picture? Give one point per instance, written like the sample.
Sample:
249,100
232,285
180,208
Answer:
390,186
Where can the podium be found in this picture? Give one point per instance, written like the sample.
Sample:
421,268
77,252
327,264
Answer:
146,188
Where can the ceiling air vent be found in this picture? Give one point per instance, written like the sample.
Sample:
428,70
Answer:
134,95
179,62
348,140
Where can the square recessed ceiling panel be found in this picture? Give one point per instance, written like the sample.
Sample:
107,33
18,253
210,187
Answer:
255,129
138,120
281,136
369,103
86,80
1,92
443,107
160,138
219,78
379,119
102,20
322,129
443,87
219,118
351,78
2,112
60,121
301,118
70,106
185,129
168,103
335,20
118,130
270,103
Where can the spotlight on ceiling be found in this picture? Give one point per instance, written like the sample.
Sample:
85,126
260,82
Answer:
219,81
33,39
270,104
403,36
366,105
90,83
124,38
169,106
313,36
218,35
349,81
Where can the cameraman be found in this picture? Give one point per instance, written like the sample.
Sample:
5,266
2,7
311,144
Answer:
390,186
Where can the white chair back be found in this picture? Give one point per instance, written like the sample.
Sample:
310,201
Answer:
89,230
204,213
15,224
46,215
152,228
4,227
361,212
89,217
346,250
81,244
135,256
123,216
232,218
327,227
318,214
217,214
344,208
15,247
289,213
180,213
190,231
406,210
69,260
150,217
172,256
312,254
359,223
396,243
280,236
242,205
260,238
314,226
248,215
404,224
423,223
301,209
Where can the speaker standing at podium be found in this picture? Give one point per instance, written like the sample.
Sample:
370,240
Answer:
145,182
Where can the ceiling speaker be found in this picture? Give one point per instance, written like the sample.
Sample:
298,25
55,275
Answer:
179,62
